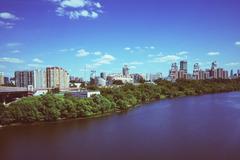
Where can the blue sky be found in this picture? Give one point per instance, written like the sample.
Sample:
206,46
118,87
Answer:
103,35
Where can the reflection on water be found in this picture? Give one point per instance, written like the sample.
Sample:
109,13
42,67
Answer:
204,127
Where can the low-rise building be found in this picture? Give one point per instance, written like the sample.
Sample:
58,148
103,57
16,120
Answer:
84,93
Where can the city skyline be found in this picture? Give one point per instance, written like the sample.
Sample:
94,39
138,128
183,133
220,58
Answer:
104,36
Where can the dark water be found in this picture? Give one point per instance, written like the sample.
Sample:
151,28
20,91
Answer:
192,128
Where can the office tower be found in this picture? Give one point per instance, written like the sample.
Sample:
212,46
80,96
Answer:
57,77
1,78
201,75
196,71
183,66
24,78
231,74
103,75
214,65
40,80
225,75
220,73
125,71
173,73
213,71
207,74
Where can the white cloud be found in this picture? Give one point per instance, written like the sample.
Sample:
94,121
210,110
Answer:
37,60
82,53
182,53
67,50
8,16
74,9
135,63
13,44
11,60
97,53
132,67
168,58
213,53
98,5
6,20
73,3
152,47
233,64
105,59
7,25
237,43
15,51
127,49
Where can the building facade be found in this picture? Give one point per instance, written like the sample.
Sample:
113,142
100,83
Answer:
40,80
57,77
24,78
1,78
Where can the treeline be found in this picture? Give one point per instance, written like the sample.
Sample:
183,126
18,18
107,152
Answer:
119,98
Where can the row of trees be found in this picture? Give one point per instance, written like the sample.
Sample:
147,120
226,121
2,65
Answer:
51,107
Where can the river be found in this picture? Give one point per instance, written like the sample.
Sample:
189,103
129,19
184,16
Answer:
190,128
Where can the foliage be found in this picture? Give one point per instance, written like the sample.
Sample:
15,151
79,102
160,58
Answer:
119,98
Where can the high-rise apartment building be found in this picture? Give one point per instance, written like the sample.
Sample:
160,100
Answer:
40,80
57,77
24,78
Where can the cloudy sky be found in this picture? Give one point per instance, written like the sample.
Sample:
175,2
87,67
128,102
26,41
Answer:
103,35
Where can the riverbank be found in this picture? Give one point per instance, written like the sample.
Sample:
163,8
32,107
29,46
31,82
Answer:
50,108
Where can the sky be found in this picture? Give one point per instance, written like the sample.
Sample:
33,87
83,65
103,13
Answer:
104,35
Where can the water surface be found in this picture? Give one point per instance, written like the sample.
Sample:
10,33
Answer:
190,128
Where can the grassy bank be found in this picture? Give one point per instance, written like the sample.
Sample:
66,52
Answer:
52,108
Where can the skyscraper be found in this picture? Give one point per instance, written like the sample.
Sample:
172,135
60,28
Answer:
183,66
24,78
196,71
231,74
173,73
125,71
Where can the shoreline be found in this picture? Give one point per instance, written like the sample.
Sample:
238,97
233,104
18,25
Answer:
103,115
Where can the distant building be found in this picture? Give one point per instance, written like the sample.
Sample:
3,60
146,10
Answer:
101,82
231,74
125,71
24,78
119,77
57,77
196,71
84,93
207,74
173,73
6,80
225,75
1,78
183,66
137,77
40,79
103,75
